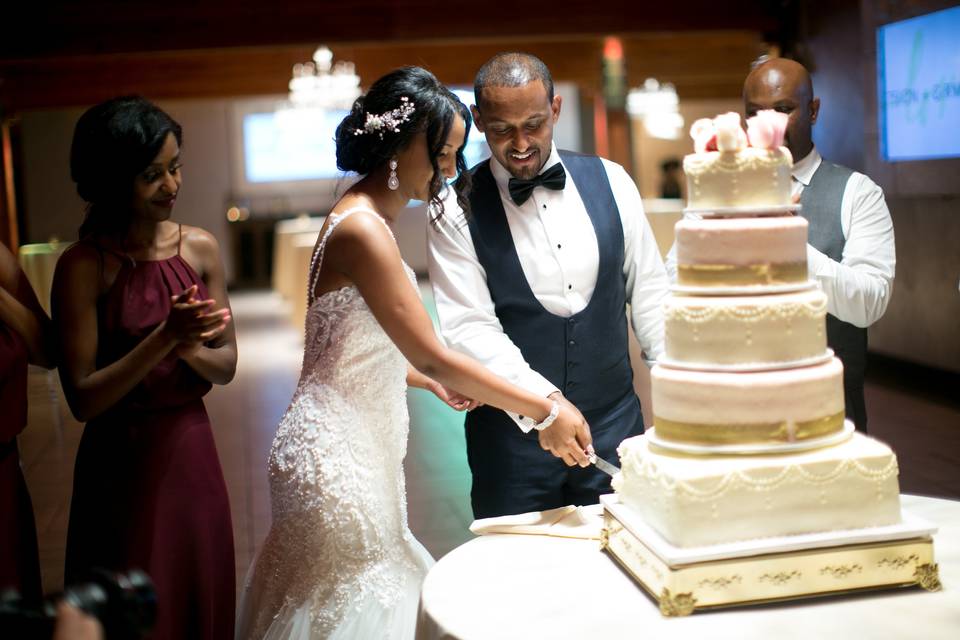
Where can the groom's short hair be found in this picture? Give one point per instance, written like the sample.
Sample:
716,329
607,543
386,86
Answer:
512,69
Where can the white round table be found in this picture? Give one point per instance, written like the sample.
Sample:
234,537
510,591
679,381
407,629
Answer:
532,587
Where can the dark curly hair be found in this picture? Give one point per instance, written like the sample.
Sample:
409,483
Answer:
435,110
112,143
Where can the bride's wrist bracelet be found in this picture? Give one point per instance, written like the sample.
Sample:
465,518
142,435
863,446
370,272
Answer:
546,422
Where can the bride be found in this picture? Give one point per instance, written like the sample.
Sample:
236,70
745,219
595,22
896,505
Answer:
339,560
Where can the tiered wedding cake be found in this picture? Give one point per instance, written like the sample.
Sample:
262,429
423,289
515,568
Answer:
747,371
749,440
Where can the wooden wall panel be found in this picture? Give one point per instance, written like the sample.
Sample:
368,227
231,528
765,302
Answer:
700,64
71,27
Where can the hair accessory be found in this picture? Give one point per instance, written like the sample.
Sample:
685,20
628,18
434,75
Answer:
389,120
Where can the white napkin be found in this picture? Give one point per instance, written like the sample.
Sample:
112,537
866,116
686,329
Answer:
565,522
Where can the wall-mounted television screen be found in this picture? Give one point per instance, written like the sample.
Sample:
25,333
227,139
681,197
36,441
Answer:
918,64
289,145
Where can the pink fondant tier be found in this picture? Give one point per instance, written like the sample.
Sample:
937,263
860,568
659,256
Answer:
735,252
723,408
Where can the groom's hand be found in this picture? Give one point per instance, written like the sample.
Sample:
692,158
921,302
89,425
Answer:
569,436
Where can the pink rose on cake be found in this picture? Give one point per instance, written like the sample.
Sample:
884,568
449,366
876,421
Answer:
730,135
722,133
704,135
766,129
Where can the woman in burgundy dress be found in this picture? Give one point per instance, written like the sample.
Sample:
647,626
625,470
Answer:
141,312
25,336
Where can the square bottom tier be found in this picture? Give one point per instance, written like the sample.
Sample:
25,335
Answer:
758,574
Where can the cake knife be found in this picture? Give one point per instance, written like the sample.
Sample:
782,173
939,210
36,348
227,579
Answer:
603,465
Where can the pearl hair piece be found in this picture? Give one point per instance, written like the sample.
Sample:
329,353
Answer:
388,121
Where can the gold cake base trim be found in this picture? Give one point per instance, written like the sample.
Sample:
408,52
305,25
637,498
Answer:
682,590
726,275
764,432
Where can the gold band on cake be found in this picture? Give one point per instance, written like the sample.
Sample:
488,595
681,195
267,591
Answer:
724,275
747,433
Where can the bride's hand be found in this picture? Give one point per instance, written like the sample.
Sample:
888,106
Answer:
453,398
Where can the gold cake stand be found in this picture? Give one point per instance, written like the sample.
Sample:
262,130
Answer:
686,580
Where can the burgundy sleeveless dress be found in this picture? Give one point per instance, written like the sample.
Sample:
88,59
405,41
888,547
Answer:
148,489
19,560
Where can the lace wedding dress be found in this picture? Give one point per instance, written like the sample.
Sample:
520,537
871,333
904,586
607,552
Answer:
339,561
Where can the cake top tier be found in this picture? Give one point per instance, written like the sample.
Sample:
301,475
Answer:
736,172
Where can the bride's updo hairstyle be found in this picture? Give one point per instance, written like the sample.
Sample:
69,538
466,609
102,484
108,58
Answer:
387,125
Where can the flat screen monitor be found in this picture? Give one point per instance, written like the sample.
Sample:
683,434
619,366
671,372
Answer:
289,145
918,84
283,153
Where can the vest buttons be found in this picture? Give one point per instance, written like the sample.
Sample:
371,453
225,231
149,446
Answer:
572,342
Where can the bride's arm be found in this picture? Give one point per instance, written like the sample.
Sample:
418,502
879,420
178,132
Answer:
363,251
456,400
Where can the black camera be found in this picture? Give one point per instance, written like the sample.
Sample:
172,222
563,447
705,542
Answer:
124,603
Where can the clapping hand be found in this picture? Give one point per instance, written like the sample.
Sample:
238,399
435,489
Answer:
191,322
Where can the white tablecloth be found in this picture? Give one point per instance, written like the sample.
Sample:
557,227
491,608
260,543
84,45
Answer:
289,269
532,587
39,261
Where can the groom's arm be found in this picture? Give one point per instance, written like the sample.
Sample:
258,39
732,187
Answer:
468,322
647,283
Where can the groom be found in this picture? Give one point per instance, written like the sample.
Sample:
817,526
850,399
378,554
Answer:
534,283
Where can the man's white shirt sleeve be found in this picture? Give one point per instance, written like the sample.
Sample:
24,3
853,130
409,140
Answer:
647,284
468,321
858,287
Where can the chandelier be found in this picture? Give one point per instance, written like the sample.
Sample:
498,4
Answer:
657,105
321,84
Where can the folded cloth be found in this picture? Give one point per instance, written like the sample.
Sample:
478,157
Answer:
564,522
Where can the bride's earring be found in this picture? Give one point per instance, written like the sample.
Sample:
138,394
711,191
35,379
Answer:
392,181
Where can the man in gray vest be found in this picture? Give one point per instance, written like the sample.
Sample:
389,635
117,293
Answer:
534,282
850,250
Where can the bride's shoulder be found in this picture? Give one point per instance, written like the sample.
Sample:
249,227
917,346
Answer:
357,228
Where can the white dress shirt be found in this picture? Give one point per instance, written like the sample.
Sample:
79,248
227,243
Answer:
558,252
858,288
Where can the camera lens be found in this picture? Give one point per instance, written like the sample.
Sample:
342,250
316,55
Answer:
125,603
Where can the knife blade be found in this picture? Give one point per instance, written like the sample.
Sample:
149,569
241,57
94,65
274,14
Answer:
604,466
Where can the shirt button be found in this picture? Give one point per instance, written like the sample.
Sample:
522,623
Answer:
544,206
572,342
558,246
569,286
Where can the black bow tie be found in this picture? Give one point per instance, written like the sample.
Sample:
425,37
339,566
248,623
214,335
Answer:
553,178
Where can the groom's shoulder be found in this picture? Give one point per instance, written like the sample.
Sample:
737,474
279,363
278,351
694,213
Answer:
609,166
481,167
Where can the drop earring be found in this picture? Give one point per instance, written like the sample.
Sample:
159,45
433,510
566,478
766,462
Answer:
392,181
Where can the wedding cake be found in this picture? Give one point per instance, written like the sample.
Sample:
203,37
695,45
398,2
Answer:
749,437
733,174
